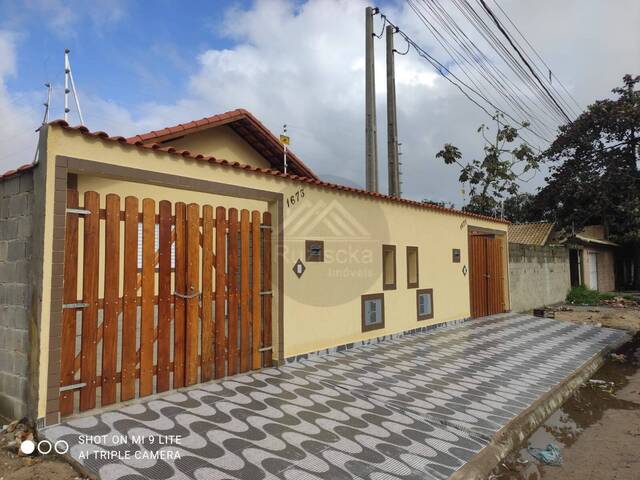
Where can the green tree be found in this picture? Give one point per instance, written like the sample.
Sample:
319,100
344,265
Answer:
498,173
520,208
594,177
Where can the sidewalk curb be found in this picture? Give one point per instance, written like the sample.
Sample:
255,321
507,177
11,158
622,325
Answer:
509,437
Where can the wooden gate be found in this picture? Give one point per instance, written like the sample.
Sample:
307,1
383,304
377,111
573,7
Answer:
486,275
169,297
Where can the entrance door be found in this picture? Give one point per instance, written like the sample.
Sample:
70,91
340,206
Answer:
593,271
160,295
486,275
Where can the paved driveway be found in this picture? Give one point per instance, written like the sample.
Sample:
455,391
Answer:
418,407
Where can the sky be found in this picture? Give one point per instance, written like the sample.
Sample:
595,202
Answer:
146,65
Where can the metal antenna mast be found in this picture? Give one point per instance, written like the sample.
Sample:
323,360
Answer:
45,118
68,82
47,106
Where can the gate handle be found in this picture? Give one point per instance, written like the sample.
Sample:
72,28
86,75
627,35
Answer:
187,296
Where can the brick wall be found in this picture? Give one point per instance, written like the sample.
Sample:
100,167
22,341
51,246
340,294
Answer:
16,221
538,276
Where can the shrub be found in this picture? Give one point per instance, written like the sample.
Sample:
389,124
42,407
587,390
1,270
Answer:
583,296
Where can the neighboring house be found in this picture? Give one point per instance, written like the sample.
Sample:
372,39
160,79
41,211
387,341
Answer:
538,272
133,266
545,263
591,258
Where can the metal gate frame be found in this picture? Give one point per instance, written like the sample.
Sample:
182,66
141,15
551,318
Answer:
65,167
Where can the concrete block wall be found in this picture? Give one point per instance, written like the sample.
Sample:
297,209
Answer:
538,276
16,221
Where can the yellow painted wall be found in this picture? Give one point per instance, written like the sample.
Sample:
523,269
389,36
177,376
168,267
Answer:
222,143
322,308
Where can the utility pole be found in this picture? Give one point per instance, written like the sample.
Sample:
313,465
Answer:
370,105
392,122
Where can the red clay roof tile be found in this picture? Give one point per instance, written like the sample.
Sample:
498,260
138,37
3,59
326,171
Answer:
294,178
239,115
17,171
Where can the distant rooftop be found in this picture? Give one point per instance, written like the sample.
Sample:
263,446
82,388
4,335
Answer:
530,233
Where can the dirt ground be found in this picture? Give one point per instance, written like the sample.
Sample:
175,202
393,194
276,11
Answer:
598,429
14,467
622,318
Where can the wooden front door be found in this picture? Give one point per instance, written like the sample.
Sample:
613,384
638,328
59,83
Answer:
160,295
486,275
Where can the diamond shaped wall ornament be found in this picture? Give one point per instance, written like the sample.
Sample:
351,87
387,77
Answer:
299,268
464,270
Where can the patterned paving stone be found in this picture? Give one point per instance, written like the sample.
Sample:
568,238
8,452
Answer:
415,407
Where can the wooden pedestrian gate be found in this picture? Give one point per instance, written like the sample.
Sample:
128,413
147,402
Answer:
169,297
486,275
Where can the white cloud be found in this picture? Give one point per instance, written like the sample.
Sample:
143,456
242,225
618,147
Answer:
303,65
18,138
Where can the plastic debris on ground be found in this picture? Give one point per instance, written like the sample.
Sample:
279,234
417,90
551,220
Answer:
549,456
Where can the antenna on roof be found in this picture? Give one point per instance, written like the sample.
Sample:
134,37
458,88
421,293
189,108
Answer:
45,118
285,141
68,81
47,106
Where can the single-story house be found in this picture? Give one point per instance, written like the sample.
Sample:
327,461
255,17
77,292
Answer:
545,263
133,266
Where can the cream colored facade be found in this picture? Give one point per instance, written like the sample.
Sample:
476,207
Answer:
322,308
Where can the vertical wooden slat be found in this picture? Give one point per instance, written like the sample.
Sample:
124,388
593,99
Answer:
111,299
245,311
500,276
91,252
220,324
164,297
484,294
256,305
232,280
130,308
266,286
70,295
179,303
495,287
207,334
148,293
192,292
489,272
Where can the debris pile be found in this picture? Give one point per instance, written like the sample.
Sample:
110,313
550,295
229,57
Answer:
620,302
21,430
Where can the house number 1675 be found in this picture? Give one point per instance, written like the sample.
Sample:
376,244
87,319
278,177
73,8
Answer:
295,198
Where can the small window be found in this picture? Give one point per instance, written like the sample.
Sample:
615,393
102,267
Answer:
412,267
372,312
388,267
424,301
314,250
455,255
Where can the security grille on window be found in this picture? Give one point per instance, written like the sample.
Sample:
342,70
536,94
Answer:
372,312
424,303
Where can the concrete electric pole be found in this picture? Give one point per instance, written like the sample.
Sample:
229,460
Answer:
392,124
370,105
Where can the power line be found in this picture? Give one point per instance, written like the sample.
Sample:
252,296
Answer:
472,56
459,84
538,55
508,37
